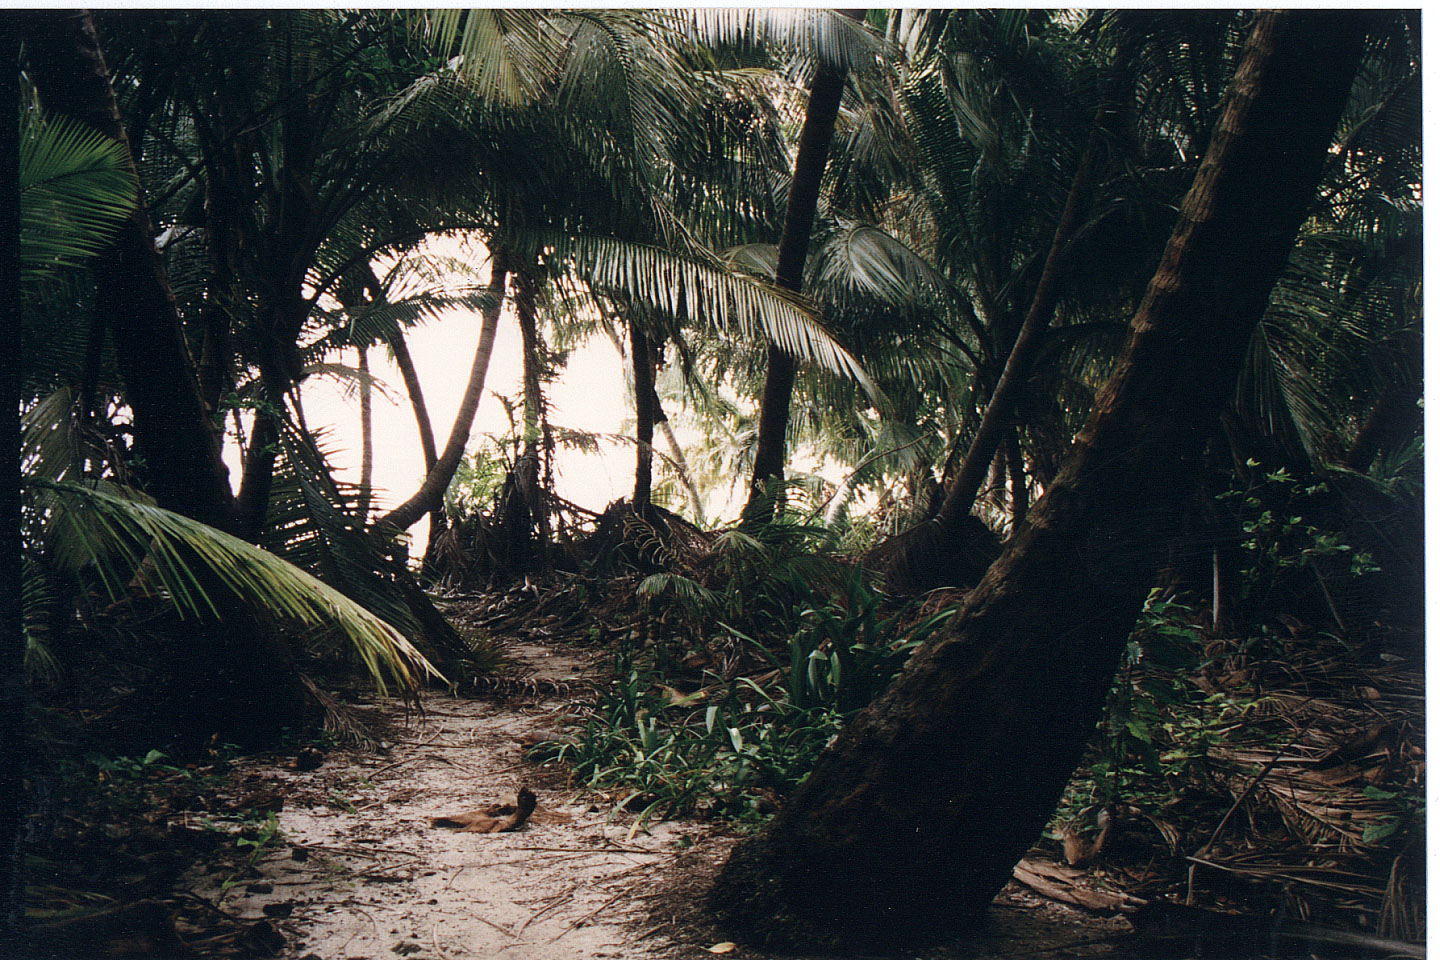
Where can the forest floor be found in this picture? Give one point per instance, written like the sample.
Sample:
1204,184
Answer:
323,851
357,870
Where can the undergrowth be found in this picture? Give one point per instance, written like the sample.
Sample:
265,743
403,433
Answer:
794,643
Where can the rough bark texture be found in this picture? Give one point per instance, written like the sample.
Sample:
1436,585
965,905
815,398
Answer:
825,91
911,822
529,472
432,491
178,442
13,796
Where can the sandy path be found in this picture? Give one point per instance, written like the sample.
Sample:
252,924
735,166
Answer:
359,872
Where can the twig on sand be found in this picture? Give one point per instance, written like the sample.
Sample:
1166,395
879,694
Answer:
588,917
491,923
554,904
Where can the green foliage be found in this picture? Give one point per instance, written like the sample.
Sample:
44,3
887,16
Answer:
1292,541
126,545
1158,727
731,747
75,189
477,482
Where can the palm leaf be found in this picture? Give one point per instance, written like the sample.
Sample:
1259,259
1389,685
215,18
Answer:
75,188
507,55
711,293
116,536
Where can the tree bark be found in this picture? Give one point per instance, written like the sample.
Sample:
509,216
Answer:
677,454
912,820
820,112
1019,493
367,436
1394,420
14,798
432,491
644,377
175,437
529,473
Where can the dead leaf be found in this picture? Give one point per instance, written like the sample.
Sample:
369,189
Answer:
493,819
1064,884
724,947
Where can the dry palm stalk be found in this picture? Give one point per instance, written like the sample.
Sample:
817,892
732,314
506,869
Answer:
494,819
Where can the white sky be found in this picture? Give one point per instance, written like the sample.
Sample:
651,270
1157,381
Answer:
589,395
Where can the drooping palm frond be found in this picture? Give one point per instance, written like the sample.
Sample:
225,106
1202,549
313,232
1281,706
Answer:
75,188
712,294
508,55
809,36
134,545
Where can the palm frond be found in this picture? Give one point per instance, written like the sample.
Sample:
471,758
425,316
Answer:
710,293
812,36
507,55
75,188
117,536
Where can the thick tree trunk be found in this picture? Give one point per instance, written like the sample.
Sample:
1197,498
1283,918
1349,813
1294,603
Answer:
824,105
912,820
14,798
644,377
432,491
175,437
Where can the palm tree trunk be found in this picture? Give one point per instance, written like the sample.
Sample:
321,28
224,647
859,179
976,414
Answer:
178,442
1019,494
401,352
529,473
367,436
431,494
1395,419
644,377
912,820
914,561
824,105
677,455
13,795
662,421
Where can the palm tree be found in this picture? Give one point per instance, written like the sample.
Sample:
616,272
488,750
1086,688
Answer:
903,829
180,445
627,89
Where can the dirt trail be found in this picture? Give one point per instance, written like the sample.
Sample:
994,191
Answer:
359,873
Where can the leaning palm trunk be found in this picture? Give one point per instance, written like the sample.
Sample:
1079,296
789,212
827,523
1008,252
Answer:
401,352
919,559
367,435
432,490
911,821
179,444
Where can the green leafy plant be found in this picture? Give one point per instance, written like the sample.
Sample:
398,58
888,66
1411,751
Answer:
732,747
